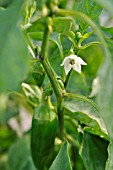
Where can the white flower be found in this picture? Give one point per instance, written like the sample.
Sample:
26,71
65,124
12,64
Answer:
73,62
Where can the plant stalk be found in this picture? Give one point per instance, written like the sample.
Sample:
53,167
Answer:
53,78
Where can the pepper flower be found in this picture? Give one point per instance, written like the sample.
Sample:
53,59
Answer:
73,62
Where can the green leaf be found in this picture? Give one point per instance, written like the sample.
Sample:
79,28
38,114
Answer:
105,96
83,98
109,163
38,74
93,151
62,24
13,50
88,45
38,25
62,161
36,35
87,115
19,157
90,8
59,25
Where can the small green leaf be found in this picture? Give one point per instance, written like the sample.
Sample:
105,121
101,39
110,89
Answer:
38,77
38,73
90,8
88,45
62,161
85,36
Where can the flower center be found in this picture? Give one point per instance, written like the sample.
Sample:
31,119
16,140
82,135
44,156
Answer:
72,61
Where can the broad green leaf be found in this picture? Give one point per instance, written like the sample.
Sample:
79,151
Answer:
107,5
62,24
13,50
62,161
87,115
90,8
109,163
105,96
59,25
93,151
38,25
37,36
82,98
19,157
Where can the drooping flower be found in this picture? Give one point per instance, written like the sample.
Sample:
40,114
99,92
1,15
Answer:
73,62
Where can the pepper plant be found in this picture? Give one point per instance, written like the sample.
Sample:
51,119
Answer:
56,62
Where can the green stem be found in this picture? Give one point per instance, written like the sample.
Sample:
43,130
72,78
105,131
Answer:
67,79
53,78
44,60
44,47
60,117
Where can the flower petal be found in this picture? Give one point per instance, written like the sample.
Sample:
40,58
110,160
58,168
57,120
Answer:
67,67
72,56
77,67
80,61
65,60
